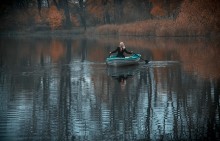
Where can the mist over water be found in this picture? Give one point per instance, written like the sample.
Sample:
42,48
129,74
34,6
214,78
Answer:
61,89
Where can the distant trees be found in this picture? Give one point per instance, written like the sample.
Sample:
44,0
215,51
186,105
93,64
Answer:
85,12
117,11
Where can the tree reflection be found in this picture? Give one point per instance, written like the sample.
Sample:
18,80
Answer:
60,91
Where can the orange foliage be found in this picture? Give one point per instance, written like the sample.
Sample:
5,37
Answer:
55,17
157,9
163,8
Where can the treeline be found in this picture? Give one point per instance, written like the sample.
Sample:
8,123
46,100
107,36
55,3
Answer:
118,17
194,18
65,14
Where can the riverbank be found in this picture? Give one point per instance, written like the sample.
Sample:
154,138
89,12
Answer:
156,28
42,33
195,18
148,28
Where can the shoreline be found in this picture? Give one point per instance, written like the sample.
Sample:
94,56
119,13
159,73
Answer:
92,31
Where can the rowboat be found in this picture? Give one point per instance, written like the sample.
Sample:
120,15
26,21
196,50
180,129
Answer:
113,60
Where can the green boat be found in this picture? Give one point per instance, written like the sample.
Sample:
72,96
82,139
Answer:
113,60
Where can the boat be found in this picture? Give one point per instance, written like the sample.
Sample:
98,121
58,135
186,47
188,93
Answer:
113,60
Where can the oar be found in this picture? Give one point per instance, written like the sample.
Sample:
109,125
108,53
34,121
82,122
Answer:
146,61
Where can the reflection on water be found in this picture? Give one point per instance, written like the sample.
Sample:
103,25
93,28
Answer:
61,89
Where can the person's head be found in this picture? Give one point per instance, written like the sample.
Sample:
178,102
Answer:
122,45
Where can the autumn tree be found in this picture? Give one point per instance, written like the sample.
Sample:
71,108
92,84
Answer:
55,18
82,12
60,4
165,8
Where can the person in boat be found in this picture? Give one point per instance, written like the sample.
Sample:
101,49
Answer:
121,49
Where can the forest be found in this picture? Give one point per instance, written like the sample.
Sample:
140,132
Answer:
113,17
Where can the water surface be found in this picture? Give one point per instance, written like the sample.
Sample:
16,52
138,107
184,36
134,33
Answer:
61,89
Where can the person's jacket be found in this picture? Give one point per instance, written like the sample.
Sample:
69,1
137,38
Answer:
121,52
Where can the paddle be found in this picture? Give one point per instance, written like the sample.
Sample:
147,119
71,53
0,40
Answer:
146,61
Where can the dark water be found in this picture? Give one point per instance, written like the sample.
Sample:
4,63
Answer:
61,89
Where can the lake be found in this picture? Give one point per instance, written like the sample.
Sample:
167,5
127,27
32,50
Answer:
59,88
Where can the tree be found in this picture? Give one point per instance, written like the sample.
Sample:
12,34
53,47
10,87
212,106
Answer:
158,9
82,13
65,6
61,4
165,8
55,18
118,11
106,15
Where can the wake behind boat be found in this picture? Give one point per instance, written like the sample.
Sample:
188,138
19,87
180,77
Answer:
113,60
